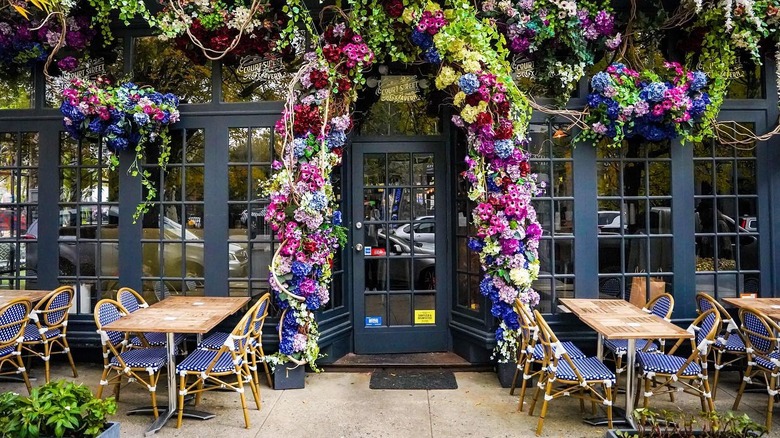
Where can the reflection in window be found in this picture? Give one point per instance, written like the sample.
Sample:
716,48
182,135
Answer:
552,161
468,268
243,83
399,118
726,220
18,206
88,221
746,80
635,220
159,64
17,91
173,229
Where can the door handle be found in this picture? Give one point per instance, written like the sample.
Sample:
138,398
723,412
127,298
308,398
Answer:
359,247
358,225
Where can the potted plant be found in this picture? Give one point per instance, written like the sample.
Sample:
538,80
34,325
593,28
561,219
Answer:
57,409
677,424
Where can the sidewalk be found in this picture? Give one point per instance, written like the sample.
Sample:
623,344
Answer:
342,405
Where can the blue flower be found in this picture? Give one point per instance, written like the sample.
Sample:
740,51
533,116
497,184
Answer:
475,244
171,99
141,118
117,144
432,56
299,147
318,201
469,83
613,110
594,99
313,302
654,92
300,269
503,148
422,39
97,126
698,81
600,81
337,217
72,112
486,286
336,139
114,129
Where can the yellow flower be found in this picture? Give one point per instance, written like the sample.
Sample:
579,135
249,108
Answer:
432,7
471,66
459,98
447,76
469,113
408,15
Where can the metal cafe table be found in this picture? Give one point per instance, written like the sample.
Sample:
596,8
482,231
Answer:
619,319
179,314
7,295
769,306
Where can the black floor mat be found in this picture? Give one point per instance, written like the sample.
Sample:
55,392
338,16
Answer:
413,379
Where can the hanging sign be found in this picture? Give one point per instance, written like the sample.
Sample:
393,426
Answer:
522,68
261,69
398,89
425,316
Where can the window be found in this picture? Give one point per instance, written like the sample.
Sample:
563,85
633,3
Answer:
159,64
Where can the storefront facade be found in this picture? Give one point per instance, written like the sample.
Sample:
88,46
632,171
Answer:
683,218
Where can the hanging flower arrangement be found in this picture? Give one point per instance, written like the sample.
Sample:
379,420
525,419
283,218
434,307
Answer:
654,106
560,37
210,30
303,211
127,117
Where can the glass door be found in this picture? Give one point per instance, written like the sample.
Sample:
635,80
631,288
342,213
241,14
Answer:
400,307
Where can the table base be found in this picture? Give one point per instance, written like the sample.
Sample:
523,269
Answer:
166,415
618,417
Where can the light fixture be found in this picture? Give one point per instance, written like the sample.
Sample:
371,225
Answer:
559,134
383,70
372,82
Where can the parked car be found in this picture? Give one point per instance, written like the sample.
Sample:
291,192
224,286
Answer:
423,231
609,221
423,270
749,223
78,246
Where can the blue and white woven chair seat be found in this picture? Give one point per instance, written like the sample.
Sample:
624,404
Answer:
733,343
620,346
666,364
7,351
152,358
199,360
31,333
217,339
766,362
156,339
572,349
590,368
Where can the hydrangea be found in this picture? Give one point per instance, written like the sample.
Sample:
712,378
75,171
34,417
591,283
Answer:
655,91
469,83
698,80
503,148
600,81
299,147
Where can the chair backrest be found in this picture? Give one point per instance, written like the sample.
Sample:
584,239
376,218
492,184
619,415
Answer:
705,302
529,331
258,314
106,312
13,320
236,343
130,299
52,311
759,331
553,349
661,306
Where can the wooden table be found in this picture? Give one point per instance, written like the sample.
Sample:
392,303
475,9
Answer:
7,295
769,306
179,314
612,320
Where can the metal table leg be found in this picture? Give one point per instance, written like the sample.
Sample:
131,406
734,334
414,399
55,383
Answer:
630,380
618,416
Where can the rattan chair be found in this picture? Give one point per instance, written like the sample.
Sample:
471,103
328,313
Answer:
132,301
46,334
13,321
586,378
763,358
530,353
665,373
729,342
140,365
660,306
258,312
217,366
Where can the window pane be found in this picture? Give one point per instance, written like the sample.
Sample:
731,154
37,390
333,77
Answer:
159,64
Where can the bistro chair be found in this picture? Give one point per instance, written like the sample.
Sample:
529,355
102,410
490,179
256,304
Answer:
140,365
217,365
132,301
763,359
662,372
47,332
13,321
563,376
258,312
660,306
530,352
729,342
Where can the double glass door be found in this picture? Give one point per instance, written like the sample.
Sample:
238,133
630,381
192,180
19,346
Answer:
399,205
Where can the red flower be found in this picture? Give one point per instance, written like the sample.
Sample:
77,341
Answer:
310,246
344,85
503,108
331,53
306,119
394,8
504,130
484,119
319,79
473,99
525,168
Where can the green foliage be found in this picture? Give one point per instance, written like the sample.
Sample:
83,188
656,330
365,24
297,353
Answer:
57,409
387,37
677,424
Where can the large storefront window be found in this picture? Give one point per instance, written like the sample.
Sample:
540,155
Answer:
18,206
17,92
552,162
174,229
159,64
726,215
88,221
635,220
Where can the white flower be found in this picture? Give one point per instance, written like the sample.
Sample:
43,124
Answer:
520,277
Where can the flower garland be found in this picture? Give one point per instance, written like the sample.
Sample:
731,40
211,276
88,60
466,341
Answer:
126,116
653,106
302,211
560,36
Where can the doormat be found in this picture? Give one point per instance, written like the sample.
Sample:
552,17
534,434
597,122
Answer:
412,379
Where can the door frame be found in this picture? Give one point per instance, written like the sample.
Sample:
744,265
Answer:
380,340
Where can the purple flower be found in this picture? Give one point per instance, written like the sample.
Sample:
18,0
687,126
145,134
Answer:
68,63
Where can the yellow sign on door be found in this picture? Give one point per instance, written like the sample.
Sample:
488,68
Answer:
425,317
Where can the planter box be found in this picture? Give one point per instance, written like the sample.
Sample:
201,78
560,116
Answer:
111,432
613,433
289,376
506,372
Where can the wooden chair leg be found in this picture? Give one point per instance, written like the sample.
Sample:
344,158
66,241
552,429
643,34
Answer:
243,399
770,405
46,358
545,402
608,395
539,384
748,374
717,363
182,387
265,366
66,347
524,384
255,388
20,366
103,378
645,398
153,382
514,380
